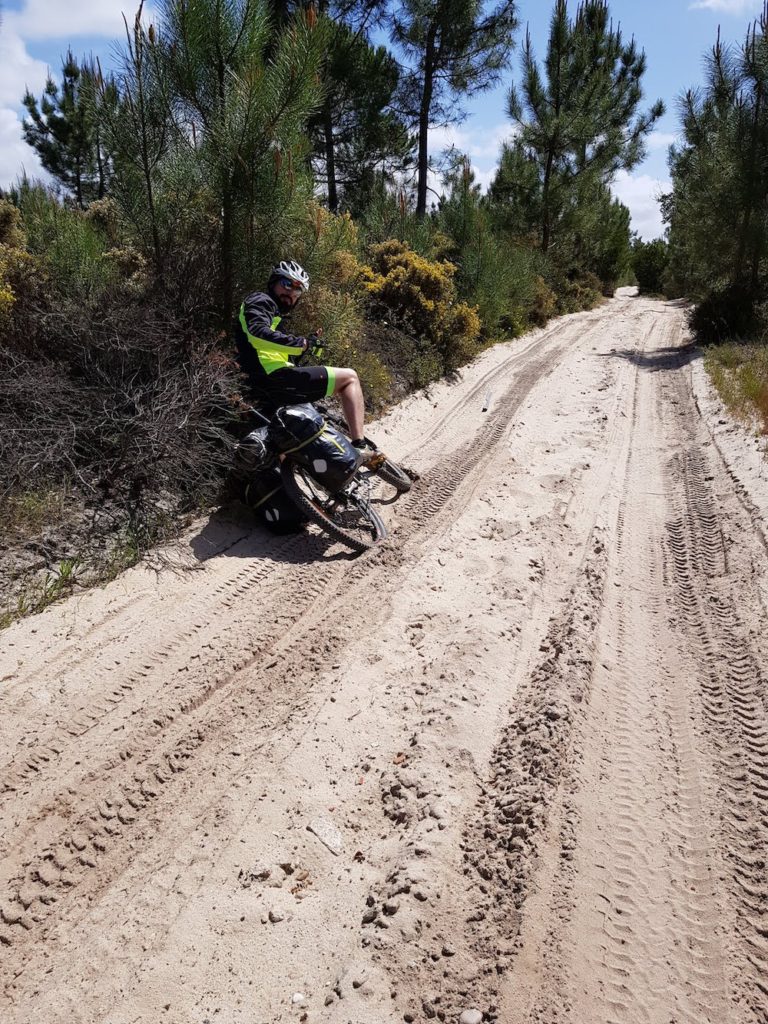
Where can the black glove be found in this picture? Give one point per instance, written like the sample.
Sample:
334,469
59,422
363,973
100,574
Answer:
314,345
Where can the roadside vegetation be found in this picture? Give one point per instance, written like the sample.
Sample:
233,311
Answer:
649,263
739,371
232,134
717,213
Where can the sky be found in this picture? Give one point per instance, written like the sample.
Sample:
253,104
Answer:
675,34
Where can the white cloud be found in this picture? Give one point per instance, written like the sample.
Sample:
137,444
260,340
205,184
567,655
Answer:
15,155
640,192
17,69
481,144
483,178
37,20
54,19
728,6
660,140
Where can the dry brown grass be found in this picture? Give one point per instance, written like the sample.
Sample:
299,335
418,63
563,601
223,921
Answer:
740,374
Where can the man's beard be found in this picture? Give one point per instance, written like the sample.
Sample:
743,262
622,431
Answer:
283,303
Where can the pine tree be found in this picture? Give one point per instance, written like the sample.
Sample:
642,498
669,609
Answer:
137,121
356,132
649,262
229,97
515,192
596,230
718,208
454,50
64,130
492,274
578,117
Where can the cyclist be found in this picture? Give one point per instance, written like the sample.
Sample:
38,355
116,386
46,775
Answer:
266,354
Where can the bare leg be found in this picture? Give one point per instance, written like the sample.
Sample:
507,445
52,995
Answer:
350,394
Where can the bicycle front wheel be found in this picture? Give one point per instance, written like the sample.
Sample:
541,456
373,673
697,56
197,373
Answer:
394,475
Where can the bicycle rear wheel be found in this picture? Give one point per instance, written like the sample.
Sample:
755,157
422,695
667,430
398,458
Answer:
347,516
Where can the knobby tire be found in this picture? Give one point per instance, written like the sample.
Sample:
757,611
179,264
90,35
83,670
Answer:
392,474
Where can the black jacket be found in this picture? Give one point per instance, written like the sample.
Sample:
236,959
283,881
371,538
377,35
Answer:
262,316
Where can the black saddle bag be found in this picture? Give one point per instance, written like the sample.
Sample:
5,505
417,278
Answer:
266,497
293,426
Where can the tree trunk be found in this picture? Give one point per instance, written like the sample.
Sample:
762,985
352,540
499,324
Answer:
147,170
227,266
227,256
748,206
330,157
100,166
546,222
78,184
546,225
424,110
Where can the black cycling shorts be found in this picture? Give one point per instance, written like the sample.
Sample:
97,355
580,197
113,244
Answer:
293,385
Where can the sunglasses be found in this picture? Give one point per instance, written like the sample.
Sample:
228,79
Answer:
292,286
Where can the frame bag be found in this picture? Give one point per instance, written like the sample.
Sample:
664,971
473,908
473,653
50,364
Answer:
302,432
330,458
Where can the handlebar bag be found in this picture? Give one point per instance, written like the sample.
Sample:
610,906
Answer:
266,497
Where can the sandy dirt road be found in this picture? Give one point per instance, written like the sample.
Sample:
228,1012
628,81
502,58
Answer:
512,765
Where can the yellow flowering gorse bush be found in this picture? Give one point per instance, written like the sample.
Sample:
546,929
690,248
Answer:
420,296
16,263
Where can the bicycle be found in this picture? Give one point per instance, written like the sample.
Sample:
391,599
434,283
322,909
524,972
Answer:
319,470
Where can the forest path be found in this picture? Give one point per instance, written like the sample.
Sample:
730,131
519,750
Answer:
514,761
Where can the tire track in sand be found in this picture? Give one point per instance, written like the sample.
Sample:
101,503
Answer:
83,834
135,694
644,906
603,811
716,597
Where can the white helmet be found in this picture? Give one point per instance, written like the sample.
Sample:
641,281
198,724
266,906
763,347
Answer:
293,271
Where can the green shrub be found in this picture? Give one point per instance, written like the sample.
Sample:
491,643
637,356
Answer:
425,367
375,378
739,371
327,246
70,244
419,296
499,278
19,270
649,262
26,512
12,231
543,304
496,274
725,313
584,292
392,216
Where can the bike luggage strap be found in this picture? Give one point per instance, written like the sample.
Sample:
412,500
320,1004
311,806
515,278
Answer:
266,497
303,444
